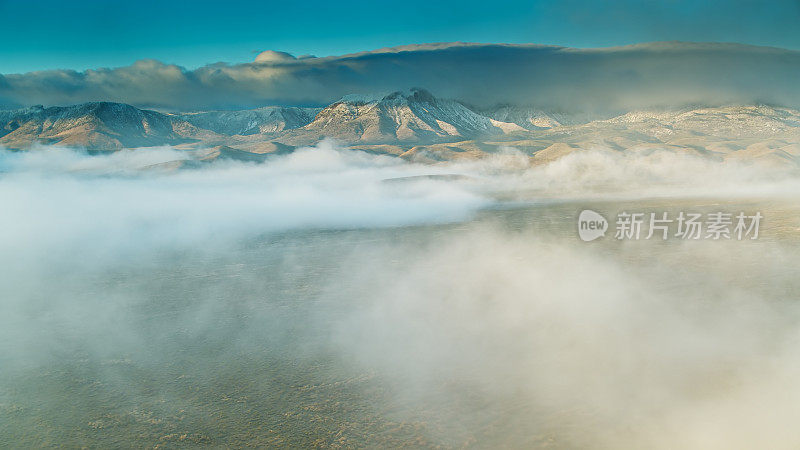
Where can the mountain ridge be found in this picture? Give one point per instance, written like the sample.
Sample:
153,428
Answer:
95,125
414,125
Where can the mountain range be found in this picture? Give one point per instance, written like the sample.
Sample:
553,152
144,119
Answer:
414,125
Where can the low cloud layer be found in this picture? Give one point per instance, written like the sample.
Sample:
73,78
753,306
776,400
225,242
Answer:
555,78
230,304
128,202
137,201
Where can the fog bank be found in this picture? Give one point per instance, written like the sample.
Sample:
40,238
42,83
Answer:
334,297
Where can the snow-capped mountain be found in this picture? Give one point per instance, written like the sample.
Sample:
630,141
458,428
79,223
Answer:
270,119
96,126
728,121
414,125
403,116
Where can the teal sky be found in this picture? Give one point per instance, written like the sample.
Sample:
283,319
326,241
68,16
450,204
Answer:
47,34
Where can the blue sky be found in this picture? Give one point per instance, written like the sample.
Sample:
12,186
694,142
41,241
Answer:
47,34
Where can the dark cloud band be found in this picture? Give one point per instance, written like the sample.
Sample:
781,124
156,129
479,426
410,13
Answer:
556,78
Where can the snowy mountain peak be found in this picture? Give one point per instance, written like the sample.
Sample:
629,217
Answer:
413,95
411,115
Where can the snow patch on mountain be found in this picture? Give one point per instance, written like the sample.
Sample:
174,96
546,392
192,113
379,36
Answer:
270,119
